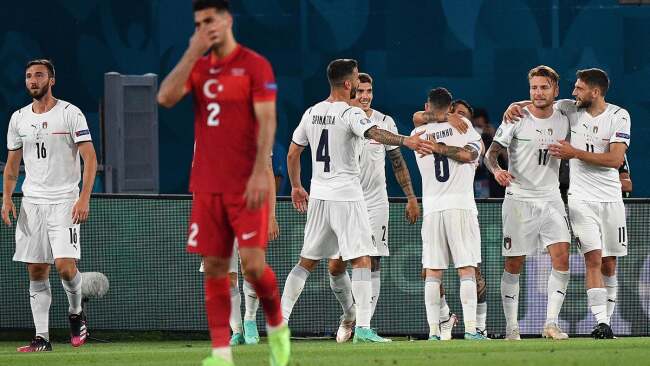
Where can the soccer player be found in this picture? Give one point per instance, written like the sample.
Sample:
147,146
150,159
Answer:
459,108
247,333
49,135
337,217
450,216
373,182
600,136
533,213
234,95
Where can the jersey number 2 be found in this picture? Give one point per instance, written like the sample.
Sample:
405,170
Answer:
214,110
323,150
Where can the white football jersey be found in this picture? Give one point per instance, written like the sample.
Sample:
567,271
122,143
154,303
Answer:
594,134
447,183
373,167
335,132
536,172
49,143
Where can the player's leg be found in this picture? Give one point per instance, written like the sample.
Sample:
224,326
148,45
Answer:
237,337
585,222
608,270
378,217
375,281
615,245
211,236
341,285
510,294
469,300
481,299
435,258
555,236
432,284
33,248
294,285
65,239
251,304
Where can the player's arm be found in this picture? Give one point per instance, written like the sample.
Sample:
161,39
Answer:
515,111
503,177
274,228
614,158
258,188
175,87
465,154
413,142
10,179
626,182
403,177
81,208
424,117
299,196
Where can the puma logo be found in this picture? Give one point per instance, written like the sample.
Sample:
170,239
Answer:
510,297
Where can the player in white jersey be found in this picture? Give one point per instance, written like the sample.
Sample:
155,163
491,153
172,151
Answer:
337,217
49,135
600,136
450,224
533,213
373,182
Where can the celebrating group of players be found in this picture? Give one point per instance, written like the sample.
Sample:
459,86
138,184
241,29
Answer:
234,94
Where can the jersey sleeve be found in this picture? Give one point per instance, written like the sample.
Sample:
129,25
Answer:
77,125
474,139
621,128
392,127
505,133
566,106
299,136
358,121
14,142
264,88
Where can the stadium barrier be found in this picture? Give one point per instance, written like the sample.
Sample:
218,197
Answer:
138,242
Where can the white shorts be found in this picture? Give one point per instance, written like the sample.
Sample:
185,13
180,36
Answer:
379,227
337,229
45,232
454,232
599,225
529,227
234,259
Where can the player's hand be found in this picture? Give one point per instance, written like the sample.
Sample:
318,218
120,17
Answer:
513,113
412,210
274,228
299,198
456,121
503,177
563,150
200,42
422,147
418,118
80,210
257,190
7,209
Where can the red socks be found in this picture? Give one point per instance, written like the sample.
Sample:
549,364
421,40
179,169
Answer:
217,305
269,294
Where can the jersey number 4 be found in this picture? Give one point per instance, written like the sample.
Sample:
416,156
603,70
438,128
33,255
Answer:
323,150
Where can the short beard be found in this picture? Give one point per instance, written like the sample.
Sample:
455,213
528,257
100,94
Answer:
583,104
40,93
353,93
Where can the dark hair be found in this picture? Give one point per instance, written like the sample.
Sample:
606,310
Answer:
544,71
218,5
439,98
595,78
42,61
465,103
338,70
365,78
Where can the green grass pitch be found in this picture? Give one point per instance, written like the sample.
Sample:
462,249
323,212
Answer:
581,351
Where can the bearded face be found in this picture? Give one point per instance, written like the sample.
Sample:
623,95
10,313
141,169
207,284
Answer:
38,81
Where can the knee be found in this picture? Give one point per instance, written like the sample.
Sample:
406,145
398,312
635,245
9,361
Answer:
67,269
593,260
38,272
336,267
375,264
465,272
514,264
216,266
608,267
253,270
308,264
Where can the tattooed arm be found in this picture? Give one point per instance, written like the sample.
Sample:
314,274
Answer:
413,142
492,164
404,179
463,154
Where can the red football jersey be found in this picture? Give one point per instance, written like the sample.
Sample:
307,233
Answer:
225,127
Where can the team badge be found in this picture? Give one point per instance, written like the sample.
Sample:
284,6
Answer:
44,125
550,132
507,243
595,129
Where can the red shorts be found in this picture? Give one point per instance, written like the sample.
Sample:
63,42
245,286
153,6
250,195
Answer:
218,218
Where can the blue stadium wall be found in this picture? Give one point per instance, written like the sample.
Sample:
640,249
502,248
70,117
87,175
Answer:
480,50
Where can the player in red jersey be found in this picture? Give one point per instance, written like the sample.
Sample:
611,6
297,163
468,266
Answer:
234,93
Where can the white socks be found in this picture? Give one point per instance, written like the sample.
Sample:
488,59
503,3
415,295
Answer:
597,302
40,298
73,290
375,278
611,285
251,301
292,290
557,285
468,300
432,304
362,292
235,309
342,288
444,309
481,316
510,298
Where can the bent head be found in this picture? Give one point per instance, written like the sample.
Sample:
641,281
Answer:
39,78
213,16
438,101
543,86
364,92
591,85
343,74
